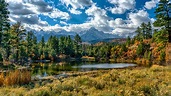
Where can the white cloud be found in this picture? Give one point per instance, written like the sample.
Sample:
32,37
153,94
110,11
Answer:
128,26
74,11
95,11
56,13
77,4
28,11
102,22
14,1
139,17
117,10
151,4
121,6
64,23
98,19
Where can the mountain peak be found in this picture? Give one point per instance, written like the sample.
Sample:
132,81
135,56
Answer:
93,29
87,35
94,34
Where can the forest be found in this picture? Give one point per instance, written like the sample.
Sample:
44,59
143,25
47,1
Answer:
18,45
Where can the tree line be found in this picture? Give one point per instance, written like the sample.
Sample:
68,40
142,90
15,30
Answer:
16,43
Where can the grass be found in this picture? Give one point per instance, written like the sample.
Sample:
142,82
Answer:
154,81
17,77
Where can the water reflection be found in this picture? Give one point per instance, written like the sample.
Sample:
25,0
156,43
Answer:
45,69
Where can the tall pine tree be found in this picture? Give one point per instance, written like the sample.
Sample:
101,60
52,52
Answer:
4,19
163,16
4,34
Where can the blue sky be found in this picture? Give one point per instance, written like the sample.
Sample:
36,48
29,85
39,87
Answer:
112,16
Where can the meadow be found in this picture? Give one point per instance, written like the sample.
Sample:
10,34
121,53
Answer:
140,81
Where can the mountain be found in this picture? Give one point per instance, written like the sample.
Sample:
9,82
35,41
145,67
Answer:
94,34
89,35
46,35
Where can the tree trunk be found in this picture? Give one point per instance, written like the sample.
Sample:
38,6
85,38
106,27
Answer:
169,37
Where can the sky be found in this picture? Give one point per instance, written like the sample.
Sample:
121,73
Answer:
111,16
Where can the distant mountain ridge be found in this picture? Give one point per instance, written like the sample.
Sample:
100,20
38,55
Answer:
89,35
94,34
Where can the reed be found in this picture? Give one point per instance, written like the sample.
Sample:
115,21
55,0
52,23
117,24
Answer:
17,77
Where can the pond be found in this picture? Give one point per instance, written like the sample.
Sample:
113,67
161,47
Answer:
45,69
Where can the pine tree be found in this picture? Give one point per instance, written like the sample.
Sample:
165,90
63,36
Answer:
163,16
148,31
77,40
29,43
17,36
4,19
143,29
4,27
139,33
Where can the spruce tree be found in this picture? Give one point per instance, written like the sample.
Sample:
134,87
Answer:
163,16
4,19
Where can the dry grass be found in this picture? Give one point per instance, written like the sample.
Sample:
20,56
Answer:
87,58
17,77
154,81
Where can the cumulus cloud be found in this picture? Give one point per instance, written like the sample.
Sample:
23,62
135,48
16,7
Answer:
99,18
36,7
28,11
151,4
75,5
20,9
102,22
41,5
139,17
74,11
30,19
129,25
56,13
121,6
28,7
64,23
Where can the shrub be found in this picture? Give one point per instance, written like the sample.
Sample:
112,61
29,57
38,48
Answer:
147,90
1,79
17,77
142,48
162,56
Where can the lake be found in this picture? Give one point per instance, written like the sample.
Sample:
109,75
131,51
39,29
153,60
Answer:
45,69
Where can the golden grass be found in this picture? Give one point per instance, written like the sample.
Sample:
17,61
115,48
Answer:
87,58
154,81
17,77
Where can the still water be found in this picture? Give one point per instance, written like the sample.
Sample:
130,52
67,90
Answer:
45,69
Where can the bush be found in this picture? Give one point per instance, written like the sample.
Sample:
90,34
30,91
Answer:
162,56
142,48
17,77
139,50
